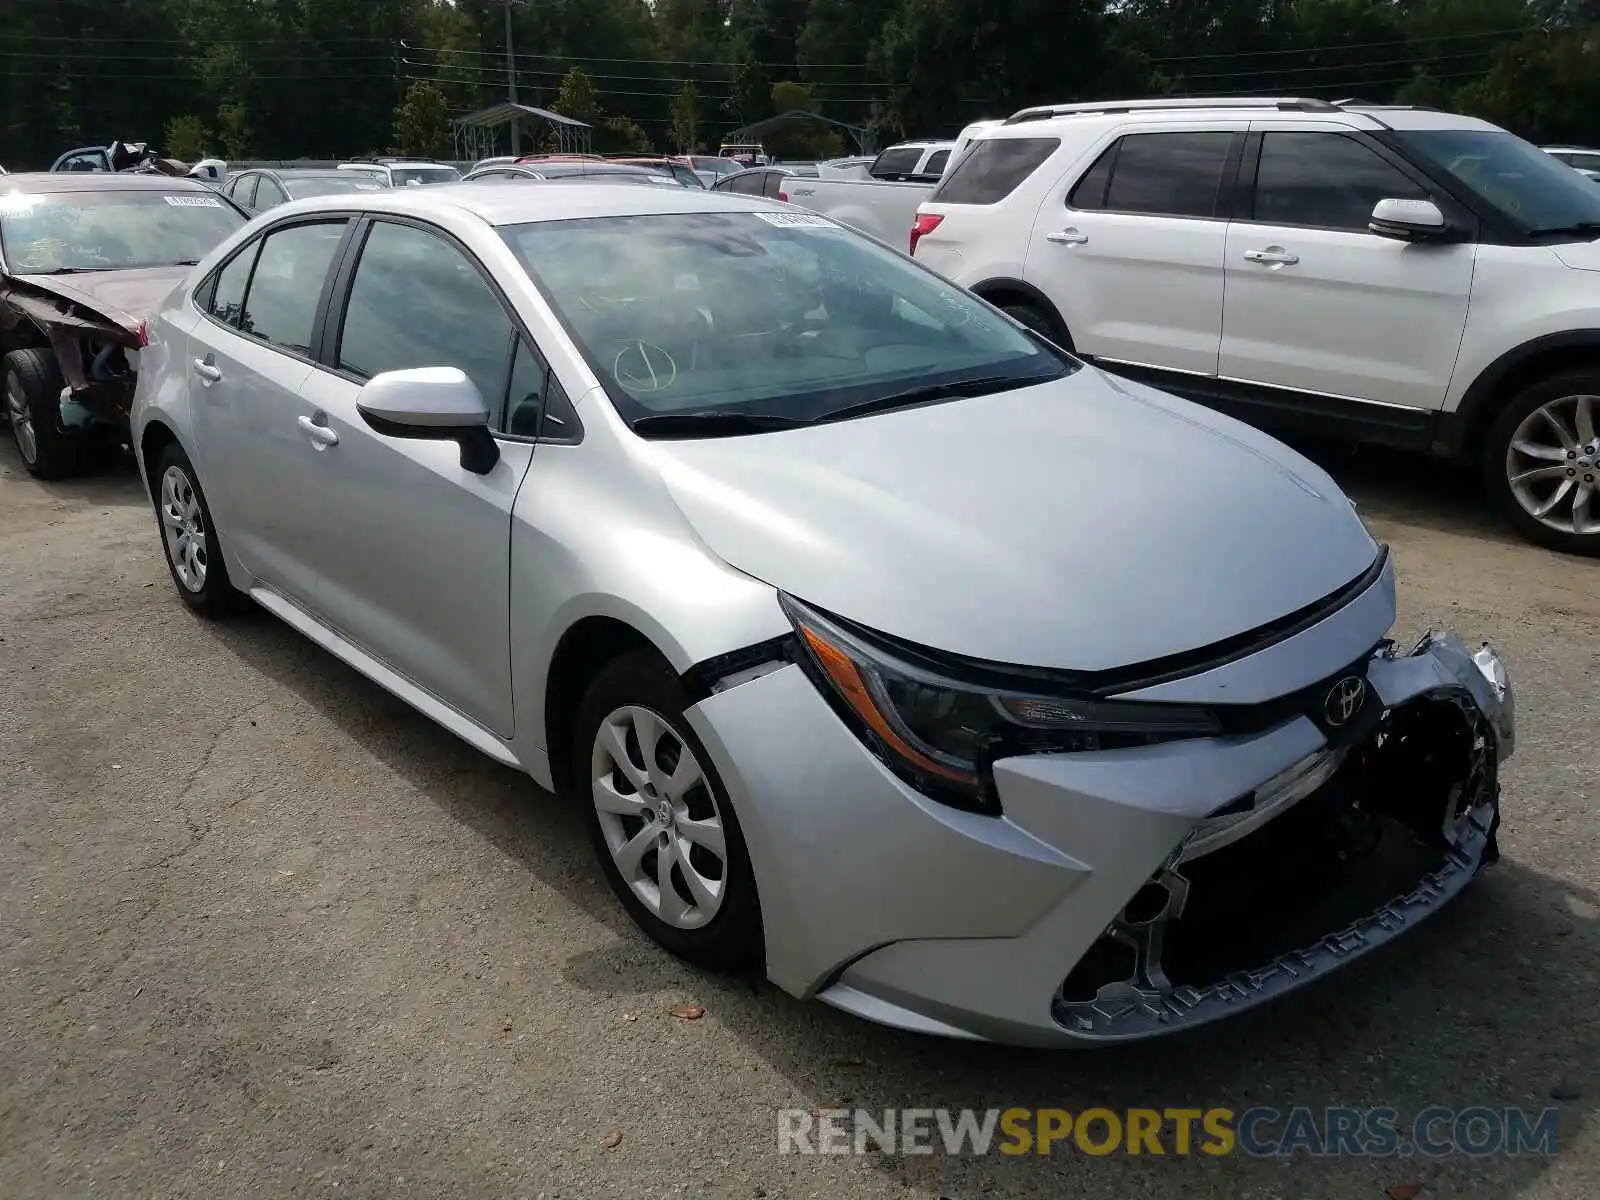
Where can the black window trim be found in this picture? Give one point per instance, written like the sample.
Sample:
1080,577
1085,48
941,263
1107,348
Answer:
203,295
1245,193
1223,205
337,297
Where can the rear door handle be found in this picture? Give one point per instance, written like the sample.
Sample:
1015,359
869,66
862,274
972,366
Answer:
1067,237
320,434
1272,256
206,368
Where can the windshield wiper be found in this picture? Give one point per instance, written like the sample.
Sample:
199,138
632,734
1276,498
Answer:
66,271
931,393
1589,227
716,422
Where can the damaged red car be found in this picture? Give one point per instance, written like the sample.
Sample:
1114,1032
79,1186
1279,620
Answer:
84,258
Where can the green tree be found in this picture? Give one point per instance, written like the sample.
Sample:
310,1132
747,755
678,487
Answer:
686,119
187,138
421,124
789,95
619,135
751,98
577,98
234,131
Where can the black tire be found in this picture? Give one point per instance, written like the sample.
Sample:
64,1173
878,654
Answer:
33,379
1041,322
1583,465
215,595
731,939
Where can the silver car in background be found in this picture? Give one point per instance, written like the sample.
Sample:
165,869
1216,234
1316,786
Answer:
968,688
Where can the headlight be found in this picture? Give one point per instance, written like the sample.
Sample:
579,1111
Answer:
941,734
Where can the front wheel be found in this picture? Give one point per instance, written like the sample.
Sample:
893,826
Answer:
1541,462
663,828
33,410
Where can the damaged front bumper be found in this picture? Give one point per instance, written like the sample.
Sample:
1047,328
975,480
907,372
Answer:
1125,893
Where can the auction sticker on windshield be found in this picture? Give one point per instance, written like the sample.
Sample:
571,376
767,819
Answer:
193,201
789,220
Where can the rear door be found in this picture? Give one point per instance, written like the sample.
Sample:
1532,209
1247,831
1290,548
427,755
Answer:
1316,302
249,357
1130,248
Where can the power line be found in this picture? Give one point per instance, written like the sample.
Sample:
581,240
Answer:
1449,37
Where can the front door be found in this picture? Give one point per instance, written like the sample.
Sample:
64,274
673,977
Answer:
408,554
1316,303
1131,250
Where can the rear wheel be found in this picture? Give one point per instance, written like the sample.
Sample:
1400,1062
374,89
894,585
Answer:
663,827
1041,322
33,410
1541,462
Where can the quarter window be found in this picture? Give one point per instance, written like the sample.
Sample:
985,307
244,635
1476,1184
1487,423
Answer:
268,194
1168,174
993,168
936,164
1325,180
286,285
418,301
227,296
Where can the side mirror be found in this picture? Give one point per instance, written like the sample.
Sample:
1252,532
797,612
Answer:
432,404
1408,220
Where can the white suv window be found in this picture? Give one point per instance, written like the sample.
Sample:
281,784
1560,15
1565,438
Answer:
992,169
1157,174
1324,180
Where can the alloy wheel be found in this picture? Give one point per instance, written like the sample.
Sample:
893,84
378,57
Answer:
184,529
659,817
21,419
1553,464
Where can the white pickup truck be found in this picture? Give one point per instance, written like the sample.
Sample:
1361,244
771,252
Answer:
884,204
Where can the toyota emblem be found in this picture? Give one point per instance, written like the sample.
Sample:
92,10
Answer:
1344,700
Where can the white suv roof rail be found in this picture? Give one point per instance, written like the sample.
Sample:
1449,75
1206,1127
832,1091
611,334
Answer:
1044,112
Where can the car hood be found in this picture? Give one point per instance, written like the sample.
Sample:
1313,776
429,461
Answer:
1082,524
124,297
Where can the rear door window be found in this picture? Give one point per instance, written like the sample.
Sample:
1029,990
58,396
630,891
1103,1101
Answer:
991,170
286,285
937,163
1168,174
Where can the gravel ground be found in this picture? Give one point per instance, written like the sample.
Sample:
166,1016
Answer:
264,931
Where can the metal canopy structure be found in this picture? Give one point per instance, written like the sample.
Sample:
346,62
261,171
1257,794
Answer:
477,135
860,134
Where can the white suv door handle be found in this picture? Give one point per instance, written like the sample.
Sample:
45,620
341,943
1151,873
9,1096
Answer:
206,368
1274,256
1067,237
320,434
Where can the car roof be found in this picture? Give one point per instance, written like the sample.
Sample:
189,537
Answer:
1043,119
515,203
36,182
1569,150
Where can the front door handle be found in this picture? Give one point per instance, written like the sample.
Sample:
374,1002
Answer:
1272,256
1067,237
206,368
320,434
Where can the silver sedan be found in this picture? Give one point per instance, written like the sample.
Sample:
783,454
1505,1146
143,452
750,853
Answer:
964,686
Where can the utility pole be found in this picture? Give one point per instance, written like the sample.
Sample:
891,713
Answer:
511,86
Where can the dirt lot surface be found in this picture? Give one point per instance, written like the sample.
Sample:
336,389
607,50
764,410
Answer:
264,931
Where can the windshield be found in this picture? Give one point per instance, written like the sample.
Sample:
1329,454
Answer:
1534,191
765,314
411,176
109,230
332,185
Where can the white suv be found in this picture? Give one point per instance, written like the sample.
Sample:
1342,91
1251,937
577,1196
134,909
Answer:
1384,274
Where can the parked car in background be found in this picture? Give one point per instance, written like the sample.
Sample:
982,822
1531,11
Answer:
912,160
609,172
137,156
854,167
1579,158
405,172
677,168
746,154
757,181
1391,275
498,161
261,188
702,527
713,164
84,259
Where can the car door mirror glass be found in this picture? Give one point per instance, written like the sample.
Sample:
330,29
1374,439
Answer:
432,404
1408,220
